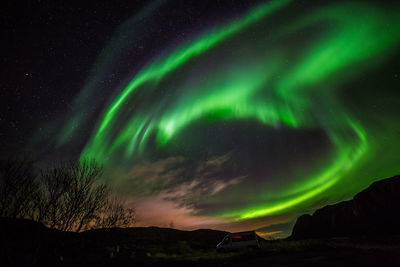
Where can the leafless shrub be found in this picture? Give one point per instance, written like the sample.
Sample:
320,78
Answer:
69,197
115,214
17,187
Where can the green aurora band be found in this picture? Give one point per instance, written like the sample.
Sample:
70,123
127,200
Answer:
273,80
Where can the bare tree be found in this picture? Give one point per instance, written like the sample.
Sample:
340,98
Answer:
69,197
72,195
73,198
115,214
17,187
50,202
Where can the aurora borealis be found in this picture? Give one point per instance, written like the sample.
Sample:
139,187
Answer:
250,120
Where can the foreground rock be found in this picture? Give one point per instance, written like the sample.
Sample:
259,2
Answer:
374,212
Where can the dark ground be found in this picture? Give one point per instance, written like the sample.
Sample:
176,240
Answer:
26,243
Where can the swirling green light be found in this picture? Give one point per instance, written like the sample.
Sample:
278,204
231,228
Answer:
162,67
266,89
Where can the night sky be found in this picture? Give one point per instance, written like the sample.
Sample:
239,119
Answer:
233,115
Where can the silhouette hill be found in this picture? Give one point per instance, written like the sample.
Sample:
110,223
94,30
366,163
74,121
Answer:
26,241
372,213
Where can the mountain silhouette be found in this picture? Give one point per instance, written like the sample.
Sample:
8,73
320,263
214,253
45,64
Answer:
374,213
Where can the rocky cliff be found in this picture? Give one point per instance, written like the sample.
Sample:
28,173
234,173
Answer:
373,212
